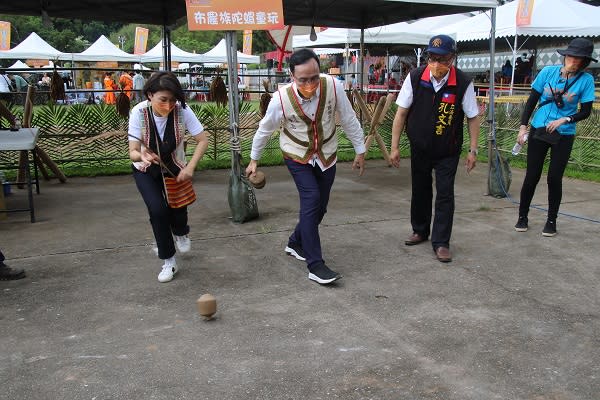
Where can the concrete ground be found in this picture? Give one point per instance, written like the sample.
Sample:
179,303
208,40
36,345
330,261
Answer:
514,316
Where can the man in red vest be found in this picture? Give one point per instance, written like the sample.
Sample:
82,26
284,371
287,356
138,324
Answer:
432,105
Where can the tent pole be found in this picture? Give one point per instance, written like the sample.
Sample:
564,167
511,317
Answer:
362,60
387,78
492,98
232,97
514,58
166,42
346,65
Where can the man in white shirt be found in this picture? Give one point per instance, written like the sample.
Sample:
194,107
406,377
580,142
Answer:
305,113
138,85
432,105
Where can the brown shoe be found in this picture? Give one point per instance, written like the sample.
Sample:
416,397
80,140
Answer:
443,254
415,238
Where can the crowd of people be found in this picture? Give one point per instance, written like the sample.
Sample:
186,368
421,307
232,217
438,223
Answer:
435,136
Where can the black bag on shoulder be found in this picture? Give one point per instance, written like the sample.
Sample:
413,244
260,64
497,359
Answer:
541,133
545,136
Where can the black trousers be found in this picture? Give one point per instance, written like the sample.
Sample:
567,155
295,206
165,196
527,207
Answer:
314,187
422,167
165,221
536,155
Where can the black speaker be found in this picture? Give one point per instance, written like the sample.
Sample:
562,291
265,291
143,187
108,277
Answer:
270,63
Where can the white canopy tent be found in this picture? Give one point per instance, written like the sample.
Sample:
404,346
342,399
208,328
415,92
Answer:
34,47
551,18
19,65
341,37
331,50
416,33
104,50
218,54
140,67
156,55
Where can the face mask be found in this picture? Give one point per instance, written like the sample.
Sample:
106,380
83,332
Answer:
572,65
163,109
439,70
308,91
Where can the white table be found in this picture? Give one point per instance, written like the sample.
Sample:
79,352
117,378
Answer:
24,139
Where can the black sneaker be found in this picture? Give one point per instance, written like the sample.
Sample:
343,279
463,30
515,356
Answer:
521,225
10,274
549,229
322,274
294,250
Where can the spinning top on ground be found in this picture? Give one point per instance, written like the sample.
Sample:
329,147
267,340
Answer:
207,305
258,180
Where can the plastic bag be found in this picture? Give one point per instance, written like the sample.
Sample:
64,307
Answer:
500,176
242,199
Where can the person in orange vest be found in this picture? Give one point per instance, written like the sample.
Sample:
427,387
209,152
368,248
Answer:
126,82
109,84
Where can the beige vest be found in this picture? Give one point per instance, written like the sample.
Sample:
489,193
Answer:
302,137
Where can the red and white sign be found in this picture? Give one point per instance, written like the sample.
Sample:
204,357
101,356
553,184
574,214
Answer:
227,15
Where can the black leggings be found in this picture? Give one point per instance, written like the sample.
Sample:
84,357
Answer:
536,154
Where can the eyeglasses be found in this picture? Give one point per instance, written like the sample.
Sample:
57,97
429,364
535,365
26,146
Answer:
306,81
447,60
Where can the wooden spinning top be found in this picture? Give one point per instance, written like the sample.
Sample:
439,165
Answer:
207,305
258,180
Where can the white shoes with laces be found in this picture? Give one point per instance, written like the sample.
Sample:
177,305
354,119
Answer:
183,243
169,269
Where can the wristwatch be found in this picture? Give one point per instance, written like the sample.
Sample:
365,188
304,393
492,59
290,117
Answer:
474,151
569,120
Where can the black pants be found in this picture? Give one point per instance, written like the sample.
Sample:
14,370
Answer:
422,167
536,154
314,187
165,221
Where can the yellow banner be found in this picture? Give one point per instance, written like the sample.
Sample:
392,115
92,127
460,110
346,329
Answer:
227,15
4,35
247,48
141,40
524,11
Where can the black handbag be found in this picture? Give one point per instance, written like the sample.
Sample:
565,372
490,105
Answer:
545,136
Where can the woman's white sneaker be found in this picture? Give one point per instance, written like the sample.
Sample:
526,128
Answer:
183,243
169,269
